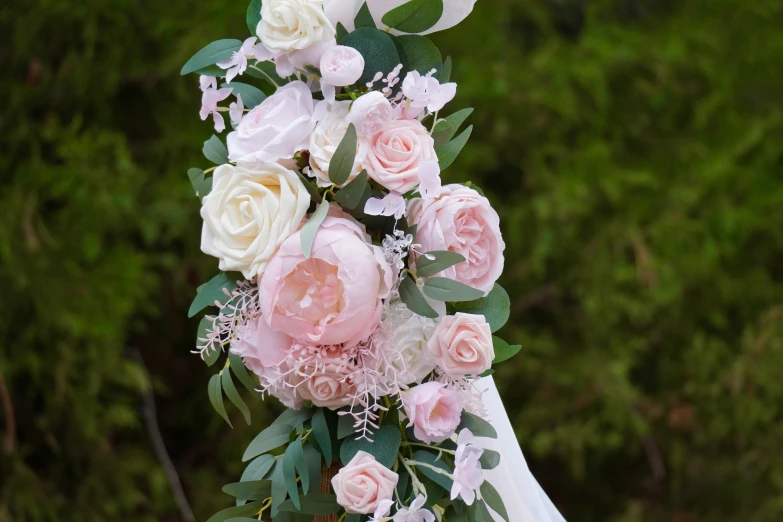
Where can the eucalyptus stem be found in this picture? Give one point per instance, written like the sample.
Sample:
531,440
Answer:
429,466
267,76
416,444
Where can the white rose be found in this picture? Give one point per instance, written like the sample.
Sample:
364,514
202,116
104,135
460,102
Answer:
326,137
341,66
276,128
407,354
249,213
293,25
370,113
344,11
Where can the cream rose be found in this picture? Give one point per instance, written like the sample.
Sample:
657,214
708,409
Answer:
396,152
463,221
249,213
325,139
462,345
406,353
363,483
293,25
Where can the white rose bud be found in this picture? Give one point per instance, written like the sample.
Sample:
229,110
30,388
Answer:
370,113
341,66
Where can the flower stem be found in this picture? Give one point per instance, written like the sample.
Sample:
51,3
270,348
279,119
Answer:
416,444
429,466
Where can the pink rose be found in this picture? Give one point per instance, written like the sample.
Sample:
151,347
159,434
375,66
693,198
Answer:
363,484
434,411
276,128
370,113
461,220
396,153
333,297
341,66
462,345
325,380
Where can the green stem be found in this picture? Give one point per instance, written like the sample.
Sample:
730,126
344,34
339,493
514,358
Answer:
416,444
267,76
429,466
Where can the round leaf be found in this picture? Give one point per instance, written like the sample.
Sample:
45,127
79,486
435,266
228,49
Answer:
495,307
384,446
377,48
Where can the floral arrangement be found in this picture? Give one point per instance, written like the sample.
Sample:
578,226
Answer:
355,286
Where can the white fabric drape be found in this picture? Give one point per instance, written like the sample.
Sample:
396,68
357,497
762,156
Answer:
523,497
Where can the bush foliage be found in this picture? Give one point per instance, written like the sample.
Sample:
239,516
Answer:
632,147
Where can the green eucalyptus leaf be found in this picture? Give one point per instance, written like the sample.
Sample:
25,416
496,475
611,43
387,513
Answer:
266,71
216,397
212,355
490,459
253,16
415,16
430,458
351,194
448,290
384,446
443,259
215,151
363,18
310,229
256,470
478,426
251,95
417,53
233,394
205,188
342,32
449,152
377,48
250,490
341,164
451,123
279,489
237,511
294,418
311,189
414,300
213,291
494,500
196,177
478,512
289,471
272,437
313,462
445,72
495,307
345,426
211,54
503,350
321,433
238,367
314,504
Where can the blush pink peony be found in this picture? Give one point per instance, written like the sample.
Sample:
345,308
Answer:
333,297
433,410
461,220
396,152
462,345
363,484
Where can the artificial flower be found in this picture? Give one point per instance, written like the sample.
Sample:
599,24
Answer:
429,178
415,512
392,204
433,410
293,25
407,357
370,113
209,105
236,110
462,345
340,66
468,476
325,139
363,484
237,64
396,152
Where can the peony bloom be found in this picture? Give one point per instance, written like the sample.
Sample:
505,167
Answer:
406,352
468,477
341,66
370,113
293,25
333,297
396,152
433,410
463,221
276,128
261,348
344,11
327,137
249,213
462,345
363,484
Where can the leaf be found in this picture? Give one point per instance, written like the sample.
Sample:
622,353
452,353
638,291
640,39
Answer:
478,426
495,307
205,188
233,394
253,16
251,95
216,397
384,447
364,18
443,259
250,490
279,490
378,50
196,177
294,418
452,515
494,500
321,433
238,367
289,471
351,194
310,229
445,71
449,152
266,71
478,512
313,460
342,32
242,519
256,470
234,512
417,53
215,151
341,164
212,355
211,54
311,189
345,426
353,518
432,459
451,124
448,290
213,291
314,504
490,459
503,350
414,300
272,437
415,16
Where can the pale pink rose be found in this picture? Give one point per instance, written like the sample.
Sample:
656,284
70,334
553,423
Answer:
276,128
433,410
370,113
462,345
341,66
333,297
396,152
326,380
363,484
463,221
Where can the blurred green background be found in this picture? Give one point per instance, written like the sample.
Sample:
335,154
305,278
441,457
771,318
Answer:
632,148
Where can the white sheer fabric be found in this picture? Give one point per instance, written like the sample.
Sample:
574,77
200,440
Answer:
524,499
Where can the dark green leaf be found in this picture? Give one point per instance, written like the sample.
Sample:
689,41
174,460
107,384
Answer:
453,122
429,458
313,461
350,195
289,470
253,16
256,470
310,229
196,177
314,504
211,70
345,426
490,459
321,433
211,54
378,50
234,512
273,437
414,300
493,500
249,490
251,95
503,350
294,418
478,426
417,53
211,355
341,164
452,515
242,519
415,16
445,71
384,446
448,290
311,189
495,307
487,373
342,32
238,367
213,291
443,259
216,397
364,18
215,151
449,152
353,518
279,490
233,394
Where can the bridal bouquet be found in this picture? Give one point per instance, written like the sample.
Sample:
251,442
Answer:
355,286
